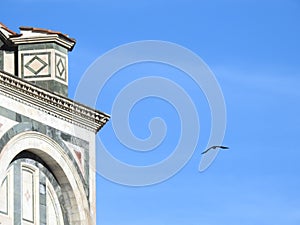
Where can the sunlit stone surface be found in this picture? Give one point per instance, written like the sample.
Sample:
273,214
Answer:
47,141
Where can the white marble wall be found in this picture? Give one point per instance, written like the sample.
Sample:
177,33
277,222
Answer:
29,195
9,62
68,128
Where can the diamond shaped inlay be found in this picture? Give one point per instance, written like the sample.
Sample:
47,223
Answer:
36,65
60,67
27,195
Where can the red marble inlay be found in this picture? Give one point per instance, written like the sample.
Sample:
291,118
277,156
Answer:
27,195
78,154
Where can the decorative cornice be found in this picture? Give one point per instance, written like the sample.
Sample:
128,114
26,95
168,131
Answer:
43,39
52,104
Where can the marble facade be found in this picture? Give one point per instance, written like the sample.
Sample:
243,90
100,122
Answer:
47,141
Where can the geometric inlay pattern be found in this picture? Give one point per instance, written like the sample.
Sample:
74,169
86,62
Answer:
36,65
79,155
27,195
60,67
28,206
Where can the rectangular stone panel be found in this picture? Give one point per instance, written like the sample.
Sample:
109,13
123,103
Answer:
35,65
27,195
60,67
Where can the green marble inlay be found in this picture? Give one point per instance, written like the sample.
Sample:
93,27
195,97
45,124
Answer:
1,60
35,56
53,86
17,194
61,70
28,124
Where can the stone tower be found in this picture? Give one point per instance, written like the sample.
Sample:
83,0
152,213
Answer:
41,58
47,141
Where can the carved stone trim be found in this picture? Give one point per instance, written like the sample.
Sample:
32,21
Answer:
43,39
52,104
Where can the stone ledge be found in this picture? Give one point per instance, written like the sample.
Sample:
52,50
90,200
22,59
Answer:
52,104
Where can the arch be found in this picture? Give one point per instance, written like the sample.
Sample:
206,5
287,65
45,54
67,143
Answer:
44,172
60,165
52,133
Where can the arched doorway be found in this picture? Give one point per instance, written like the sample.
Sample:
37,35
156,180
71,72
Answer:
30,194
40,184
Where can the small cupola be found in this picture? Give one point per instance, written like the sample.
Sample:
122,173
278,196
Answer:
43,58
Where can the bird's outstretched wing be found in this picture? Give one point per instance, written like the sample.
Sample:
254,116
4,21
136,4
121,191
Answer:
207,150
222,147
214,147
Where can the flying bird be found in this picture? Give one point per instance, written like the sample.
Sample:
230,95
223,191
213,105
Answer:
214,147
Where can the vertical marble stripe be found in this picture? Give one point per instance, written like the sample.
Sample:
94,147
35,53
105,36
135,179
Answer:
17,194
1,60
43,199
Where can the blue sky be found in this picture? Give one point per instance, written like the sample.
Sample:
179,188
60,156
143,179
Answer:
253,49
